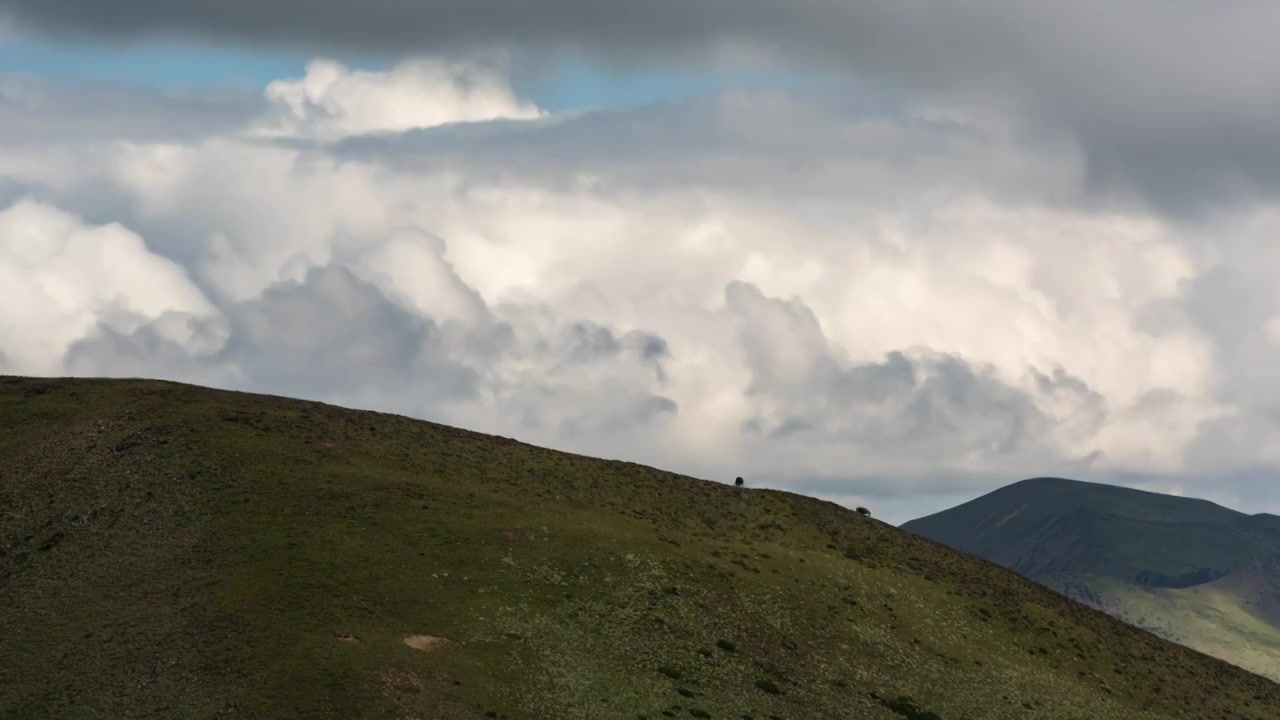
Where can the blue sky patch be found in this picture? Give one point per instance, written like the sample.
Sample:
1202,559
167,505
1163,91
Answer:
571,85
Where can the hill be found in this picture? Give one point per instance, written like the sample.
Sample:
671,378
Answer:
1187,569
169,551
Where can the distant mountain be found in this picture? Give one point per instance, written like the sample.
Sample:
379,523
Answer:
1192,571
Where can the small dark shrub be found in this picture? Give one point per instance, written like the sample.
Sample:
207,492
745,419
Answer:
769,687
905,707
670,672
726,646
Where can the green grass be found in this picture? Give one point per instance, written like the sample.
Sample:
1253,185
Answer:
1213,619
168,551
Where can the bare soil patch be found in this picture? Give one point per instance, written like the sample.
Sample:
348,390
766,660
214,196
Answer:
427,643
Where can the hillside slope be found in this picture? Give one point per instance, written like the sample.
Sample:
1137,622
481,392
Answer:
1189,570
169,551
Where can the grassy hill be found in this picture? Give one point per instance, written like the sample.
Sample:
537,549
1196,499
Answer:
168,551
1216,618
1189,570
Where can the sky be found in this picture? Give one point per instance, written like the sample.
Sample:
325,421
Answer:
893,253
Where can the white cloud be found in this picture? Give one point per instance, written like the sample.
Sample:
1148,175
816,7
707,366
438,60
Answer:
855,302
60,279
410,266
332,102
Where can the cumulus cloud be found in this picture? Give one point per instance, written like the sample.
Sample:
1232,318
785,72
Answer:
357,346
337,336
60,279
894,303
332,102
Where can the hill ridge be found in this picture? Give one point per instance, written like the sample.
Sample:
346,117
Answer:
177,551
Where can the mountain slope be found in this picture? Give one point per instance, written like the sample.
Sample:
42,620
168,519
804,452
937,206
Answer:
1214,619
1189,570
170,551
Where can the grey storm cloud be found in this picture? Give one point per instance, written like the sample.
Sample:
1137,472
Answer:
327,333
586,341
1174,103
342,331
762,142
34,111
1235,307
933,400
918,401
331,335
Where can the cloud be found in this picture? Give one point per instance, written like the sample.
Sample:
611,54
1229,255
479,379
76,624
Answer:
336,336
60,279
772,143
332,102
885,302
1173,103
35,112
822,414
353,342
906,407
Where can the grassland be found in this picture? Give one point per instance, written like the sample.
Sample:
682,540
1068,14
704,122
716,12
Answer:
168,551
1214,618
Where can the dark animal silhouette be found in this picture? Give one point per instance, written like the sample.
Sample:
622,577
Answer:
864,511
737,482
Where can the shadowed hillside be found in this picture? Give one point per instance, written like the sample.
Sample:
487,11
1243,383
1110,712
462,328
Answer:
1187,569
168,551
